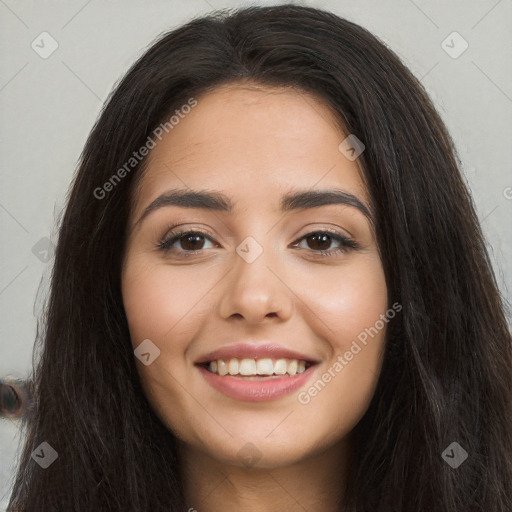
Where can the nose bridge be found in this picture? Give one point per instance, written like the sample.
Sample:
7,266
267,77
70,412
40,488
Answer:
253,290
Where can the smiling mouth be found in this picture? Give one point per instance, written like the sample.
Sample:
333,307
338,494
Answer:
256,368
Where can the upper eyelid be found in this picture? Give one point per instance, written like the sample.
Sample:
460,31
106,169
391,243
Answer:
180,232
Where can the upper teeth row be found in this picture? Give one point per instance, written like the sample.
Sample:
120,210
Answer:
249,367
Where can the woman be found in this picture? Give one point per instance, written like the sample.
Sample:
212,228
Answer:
208,347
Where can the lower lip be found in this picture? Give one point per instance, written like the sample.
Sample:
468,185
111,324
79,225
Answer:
262,390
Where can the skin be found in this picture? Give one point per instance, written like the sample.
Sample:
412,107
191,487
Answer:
254,144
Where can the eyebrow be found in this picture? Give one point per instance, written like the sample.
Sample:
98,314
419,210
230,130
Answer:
216,201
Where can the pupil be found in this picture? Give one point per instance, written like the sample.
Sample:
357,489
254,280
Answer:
322,239
196,239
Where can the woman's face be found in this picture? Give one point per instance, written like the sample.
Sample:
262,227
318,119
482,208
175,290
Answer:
259,286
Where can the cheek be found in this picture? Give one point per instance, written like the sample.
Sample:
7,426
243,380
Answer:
350,312
346,301
167,306
159,302
159,306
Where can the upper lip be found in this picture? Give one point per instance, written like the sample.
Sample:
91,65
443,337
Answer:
254,351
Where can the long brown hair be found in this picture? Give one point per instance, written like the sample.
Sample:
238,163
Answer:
447,372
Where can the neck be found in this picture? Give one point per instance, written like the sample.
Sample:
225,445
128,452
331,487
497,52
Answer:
315,484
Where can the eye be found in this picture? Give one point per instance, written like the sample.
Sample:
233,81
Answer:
320,241
190,241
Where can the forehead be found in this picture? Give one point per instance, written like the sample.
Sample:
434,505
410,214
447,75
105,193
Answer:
252,142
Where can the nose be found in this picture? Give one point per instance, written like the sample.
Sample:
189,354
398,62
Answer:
256,291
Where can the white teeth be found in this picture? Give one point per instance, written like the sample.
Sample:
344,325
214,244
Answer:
233,366
264,367
280,367
251,367
222,367
247,367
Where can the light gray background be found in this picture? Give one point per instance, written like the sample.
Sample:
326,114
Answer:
49,105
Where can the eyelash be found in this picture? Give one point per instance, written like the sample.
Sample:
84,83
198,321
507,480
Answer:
171,237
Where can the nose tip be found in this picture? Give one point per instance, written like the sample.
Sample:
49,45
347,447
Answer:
253,311
254,291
